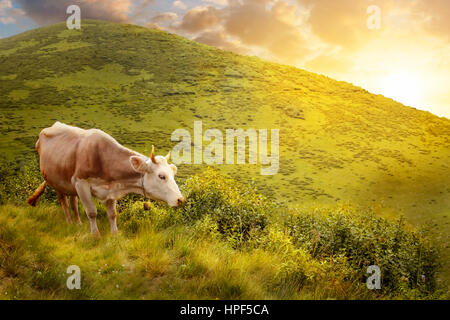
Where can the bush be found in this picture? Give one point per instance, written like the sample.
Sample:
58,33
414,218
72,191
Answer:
133,217
214,204
234,210
17,183
406,258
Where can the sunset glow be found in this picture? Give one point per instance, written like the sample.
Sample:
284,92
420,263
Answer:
403,87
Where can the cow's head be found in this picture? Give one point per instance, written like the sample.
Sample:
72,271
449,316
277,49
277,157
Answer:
158,179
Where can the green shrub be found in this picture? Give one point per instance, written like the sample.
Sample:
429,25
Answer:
133,216
406,258
17,183
214,204
235,210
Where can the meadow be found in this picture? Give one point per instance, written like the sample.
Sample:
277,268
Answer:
227,242
339,144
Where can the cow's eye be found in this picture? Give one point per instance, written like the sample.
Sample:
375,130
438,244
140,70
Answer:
162,177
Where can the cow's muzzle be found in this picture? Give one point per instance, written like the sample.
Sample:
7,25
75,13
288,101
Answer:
180,201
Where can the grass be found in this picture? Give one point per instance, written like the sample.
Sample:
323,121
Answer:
258,250
168,264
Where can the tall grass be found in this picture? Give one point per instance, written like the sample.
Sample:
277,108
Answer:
227,242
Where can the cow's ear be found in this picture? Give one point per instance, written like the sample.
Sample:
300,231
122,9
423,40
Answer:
174,168
139,164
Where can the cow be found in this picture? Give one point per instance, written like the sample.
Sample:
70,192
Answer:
83,164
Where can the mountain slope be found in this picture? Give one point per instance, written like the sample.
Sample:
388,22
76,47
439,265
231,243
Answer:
338,142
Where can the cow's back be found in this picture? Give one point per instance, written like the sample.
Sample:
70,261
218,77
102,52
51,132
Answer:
68,153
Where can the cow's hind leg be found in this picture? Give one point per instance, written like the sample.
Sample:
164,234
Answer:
111,209
63,202
74,206
84,192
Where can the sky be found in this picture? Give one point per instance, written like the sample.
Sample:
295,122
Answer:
398,48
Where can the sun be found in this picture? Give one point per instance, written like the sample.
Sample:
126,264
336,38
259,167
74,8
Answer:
403,87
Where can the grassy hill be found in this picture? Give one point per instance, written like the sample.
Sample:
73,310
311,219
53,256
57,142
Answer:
338,142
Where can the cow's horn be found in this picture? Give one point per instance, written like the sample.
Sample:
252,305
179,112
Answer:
153,154
168,156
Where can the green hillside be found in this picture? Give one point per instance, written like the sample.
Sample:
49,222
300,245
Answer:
338,142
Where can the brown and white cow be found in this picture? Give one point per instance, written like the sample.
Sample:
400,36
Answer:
90,163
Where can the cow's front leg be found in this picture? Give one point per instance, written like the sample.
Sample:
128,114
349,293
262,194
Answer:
84,193
111,209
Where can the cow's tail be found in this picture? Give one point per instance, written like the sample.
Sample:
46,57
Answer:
35,196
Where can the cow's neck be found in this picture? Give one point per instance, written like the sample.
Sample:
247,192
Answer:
142,186
137,186
128,186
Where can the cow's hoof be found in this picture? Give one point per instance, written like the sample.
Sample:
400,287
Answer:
96,235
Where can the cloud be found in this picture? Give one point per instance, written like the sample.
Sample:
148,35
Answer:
437,16
274,28
179,5
164,17
200,18
9,14
5,4
139,10
343,22
266,26
340,22
161,18
219,39
219,2
51,11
